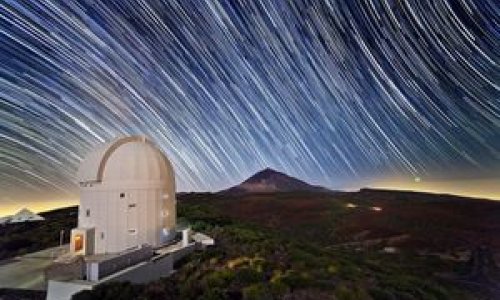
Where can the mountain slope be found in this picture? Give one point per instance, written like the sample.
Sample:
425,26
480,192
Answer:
270,181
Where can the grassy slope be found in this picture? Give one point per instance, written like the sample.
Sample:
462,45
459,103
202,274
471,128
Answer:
429,222
273,247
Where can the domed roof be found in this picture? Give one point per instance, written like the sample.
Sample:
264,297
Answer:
133,158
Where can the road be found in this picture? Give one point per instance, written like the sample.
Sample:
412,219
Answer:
26,272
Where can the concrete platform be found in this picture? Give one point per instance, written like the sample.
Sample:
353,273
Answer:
160,265
27,271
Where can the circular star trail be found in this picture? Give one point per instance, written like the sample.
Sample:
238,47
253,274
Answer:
333,92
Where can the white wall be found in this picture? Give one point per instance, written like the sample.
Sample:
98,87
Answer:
58,290
111,215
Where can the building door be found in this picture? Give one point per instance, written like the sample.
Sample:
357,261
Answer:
132,220
78,242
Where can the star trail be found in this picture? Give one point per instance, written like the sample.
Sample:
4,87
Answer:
335,92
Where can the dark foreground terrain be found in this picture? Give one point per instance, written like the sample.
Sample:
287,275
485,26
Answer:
22,238
317,245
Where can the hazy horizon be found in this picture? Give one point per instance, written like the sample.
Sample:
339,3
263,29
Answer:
457,188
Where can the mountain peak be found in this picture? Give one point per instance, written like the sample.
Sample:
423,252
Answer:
267,170
25,215
25,211
269,181
265,174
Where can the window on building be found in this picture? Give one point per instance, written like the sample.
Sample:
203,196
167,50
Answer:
132,231
87,212
122,195
132,205
102,235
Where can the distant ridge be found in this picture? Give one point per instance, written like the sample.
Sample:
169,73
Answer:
413,193
270,181
24,215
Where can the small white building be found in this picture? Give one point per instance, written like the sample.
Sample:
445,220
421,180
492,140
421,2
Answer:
127,198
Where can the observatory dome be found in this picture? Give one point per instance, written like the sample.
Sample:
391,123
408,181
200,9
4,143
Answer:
125,160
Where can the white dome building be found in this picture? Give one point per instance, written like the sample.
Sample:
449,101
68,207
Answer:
127,198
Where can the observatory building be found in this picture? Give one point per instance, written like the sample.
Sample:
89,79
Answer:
126,221
127,198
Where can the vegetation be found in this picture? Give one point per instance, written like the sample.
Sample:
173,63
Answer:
22,238
307,246
251,261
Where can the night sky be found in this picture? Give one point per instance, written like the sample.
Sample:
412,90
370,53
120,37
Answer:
339,93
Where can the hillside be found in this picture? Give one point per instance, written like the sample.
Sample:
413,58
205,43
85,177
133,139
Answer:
310,245
21,238
414,221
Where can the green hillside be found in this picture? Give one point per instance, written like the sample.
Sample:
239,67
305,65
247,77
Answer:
258,257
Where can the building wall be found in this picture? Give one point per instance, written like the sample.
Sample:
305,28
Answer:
65,271
61,290
123,222
96,270
179,254
146,271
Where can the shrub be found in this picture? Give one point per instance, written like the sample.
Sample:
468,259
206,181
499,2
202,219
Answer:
246,276
219,278
109,291
213,294
380,294
295,279
257,292
344,292
160,290
278,288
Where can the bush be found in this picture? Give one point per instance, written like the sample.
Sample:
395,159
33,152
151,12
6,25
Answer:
16,243
213,294
110,291
246,276
160,290
344,292
380,294
278,288
257,292
219,278
295,279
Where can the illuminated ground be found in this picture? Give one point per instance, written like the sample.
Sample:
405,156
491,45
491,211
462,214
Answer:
26,272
